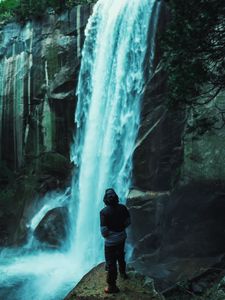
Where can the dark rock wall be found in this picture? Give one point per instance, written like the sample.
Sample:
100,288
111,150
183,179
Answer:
175,236
158,152
177,225
174,146
39,64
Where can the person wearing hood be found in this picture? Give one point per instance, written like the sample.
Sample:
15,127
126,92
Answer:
114,219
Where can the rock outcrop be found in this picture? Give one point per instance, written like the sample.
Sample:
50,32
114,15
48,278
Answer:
176,235
20,194
176,146
91,287
52,230
39,66
209,285
177,227
158,152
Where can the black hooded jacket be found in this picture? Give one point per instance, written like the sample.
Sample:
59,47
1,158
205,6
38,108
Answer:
114,219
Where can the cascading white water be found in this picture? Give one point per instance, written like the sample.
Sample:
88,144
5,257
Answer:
107,118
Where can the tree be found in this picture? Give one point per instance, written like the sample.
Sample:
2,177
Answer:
194,52
7,8
25,9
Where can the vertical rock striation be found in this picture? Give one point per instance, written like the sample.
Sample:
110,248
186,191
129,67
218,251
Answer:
39,63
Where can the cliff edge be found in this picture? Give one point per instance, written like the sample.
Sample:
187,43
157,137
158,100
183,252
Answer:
91,287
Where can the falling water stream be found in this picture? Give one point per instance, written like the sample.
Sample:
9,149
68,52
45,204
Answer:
109,93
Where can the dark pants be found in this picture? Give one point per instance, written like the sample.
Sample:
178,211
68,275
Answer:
112,255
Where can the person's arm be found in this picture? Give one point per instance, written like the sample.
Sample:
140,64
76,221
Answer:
104,228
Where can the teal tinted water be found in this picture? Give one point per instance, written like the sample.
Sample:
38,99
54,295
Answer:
109,96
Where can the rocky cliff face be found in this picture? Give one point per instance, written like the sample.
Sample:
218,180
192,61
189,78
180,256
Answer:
176,147
177,235
39,63
159,150
39,66
177,227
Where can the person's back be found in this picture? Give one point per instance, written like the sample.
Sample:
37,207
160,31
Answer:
114,219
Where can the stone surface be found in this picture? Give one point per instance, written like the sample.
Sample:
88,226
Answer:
209,285
91,287
158,152
175,235
52,230
176,146
39,66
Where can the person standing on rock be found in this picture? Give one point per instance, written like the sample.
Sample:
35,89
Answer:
114,219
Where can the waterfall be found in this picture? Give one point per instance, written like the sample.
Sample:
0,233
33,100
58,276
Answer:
107,117
109,92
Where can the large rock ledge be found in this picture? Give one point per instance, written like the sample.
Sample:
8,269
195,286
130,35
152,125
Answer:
175,235
210,285
91,287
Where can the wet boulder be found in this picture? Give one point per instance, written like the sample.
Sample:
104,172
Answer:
52,229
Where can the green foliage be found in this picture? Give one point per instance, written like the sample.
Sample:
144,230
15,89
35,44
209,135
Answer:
8,5
25,9
194,53
7,9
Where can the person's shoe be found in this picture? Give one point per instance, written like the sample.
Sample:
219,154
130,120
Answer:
124,276
111,289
